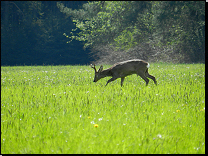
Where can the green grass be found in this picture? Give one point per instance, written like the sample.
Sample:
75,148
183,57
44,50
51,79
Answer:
53,109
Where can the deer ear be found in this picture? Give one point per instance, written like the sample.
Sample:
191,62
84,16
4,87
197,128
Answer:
100,69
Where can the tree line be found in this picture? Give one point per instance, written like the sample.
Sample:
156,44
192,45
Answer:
36,32
153,30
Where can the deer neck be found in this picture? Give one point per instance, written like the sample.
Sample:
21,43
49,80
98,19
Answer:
106,73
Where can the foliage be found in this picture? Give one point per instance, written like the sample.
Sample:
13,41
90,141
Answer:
110,21
31,33
178,25
59,109
181,24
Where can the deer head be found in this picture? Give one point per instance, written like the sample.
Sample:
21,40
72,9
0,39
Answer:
97,73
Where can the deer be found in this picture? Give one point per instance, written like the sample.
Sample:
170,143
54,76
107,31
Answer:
123,69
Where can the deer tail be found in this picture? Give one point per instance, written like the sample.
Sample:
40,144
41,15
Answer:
148,65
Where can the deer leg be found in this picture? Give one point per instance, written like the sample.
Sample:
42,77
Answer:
151,77
112,79
122,79
142,75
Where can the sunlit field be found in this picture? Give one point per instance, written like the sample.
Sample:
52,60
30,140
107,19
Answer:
59,109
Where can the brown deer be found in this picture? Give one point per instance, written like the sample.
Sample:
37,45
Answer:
123,69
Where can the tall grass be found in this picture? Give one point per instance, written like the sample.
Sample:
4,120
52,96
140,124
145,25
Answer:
59,109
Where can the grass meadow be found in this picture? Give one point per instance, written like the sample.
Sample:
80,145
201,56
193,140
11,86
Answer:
59,109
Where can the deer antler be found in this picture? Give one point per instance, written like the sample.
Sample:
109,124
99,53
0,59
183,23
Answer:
93,66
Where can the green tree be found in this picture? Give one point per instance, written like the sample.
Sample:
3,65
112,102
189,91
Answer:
182,25
176,25
123,23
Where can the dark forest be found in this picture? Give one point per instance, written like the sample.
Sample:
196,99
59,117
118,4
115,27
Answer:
81,32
